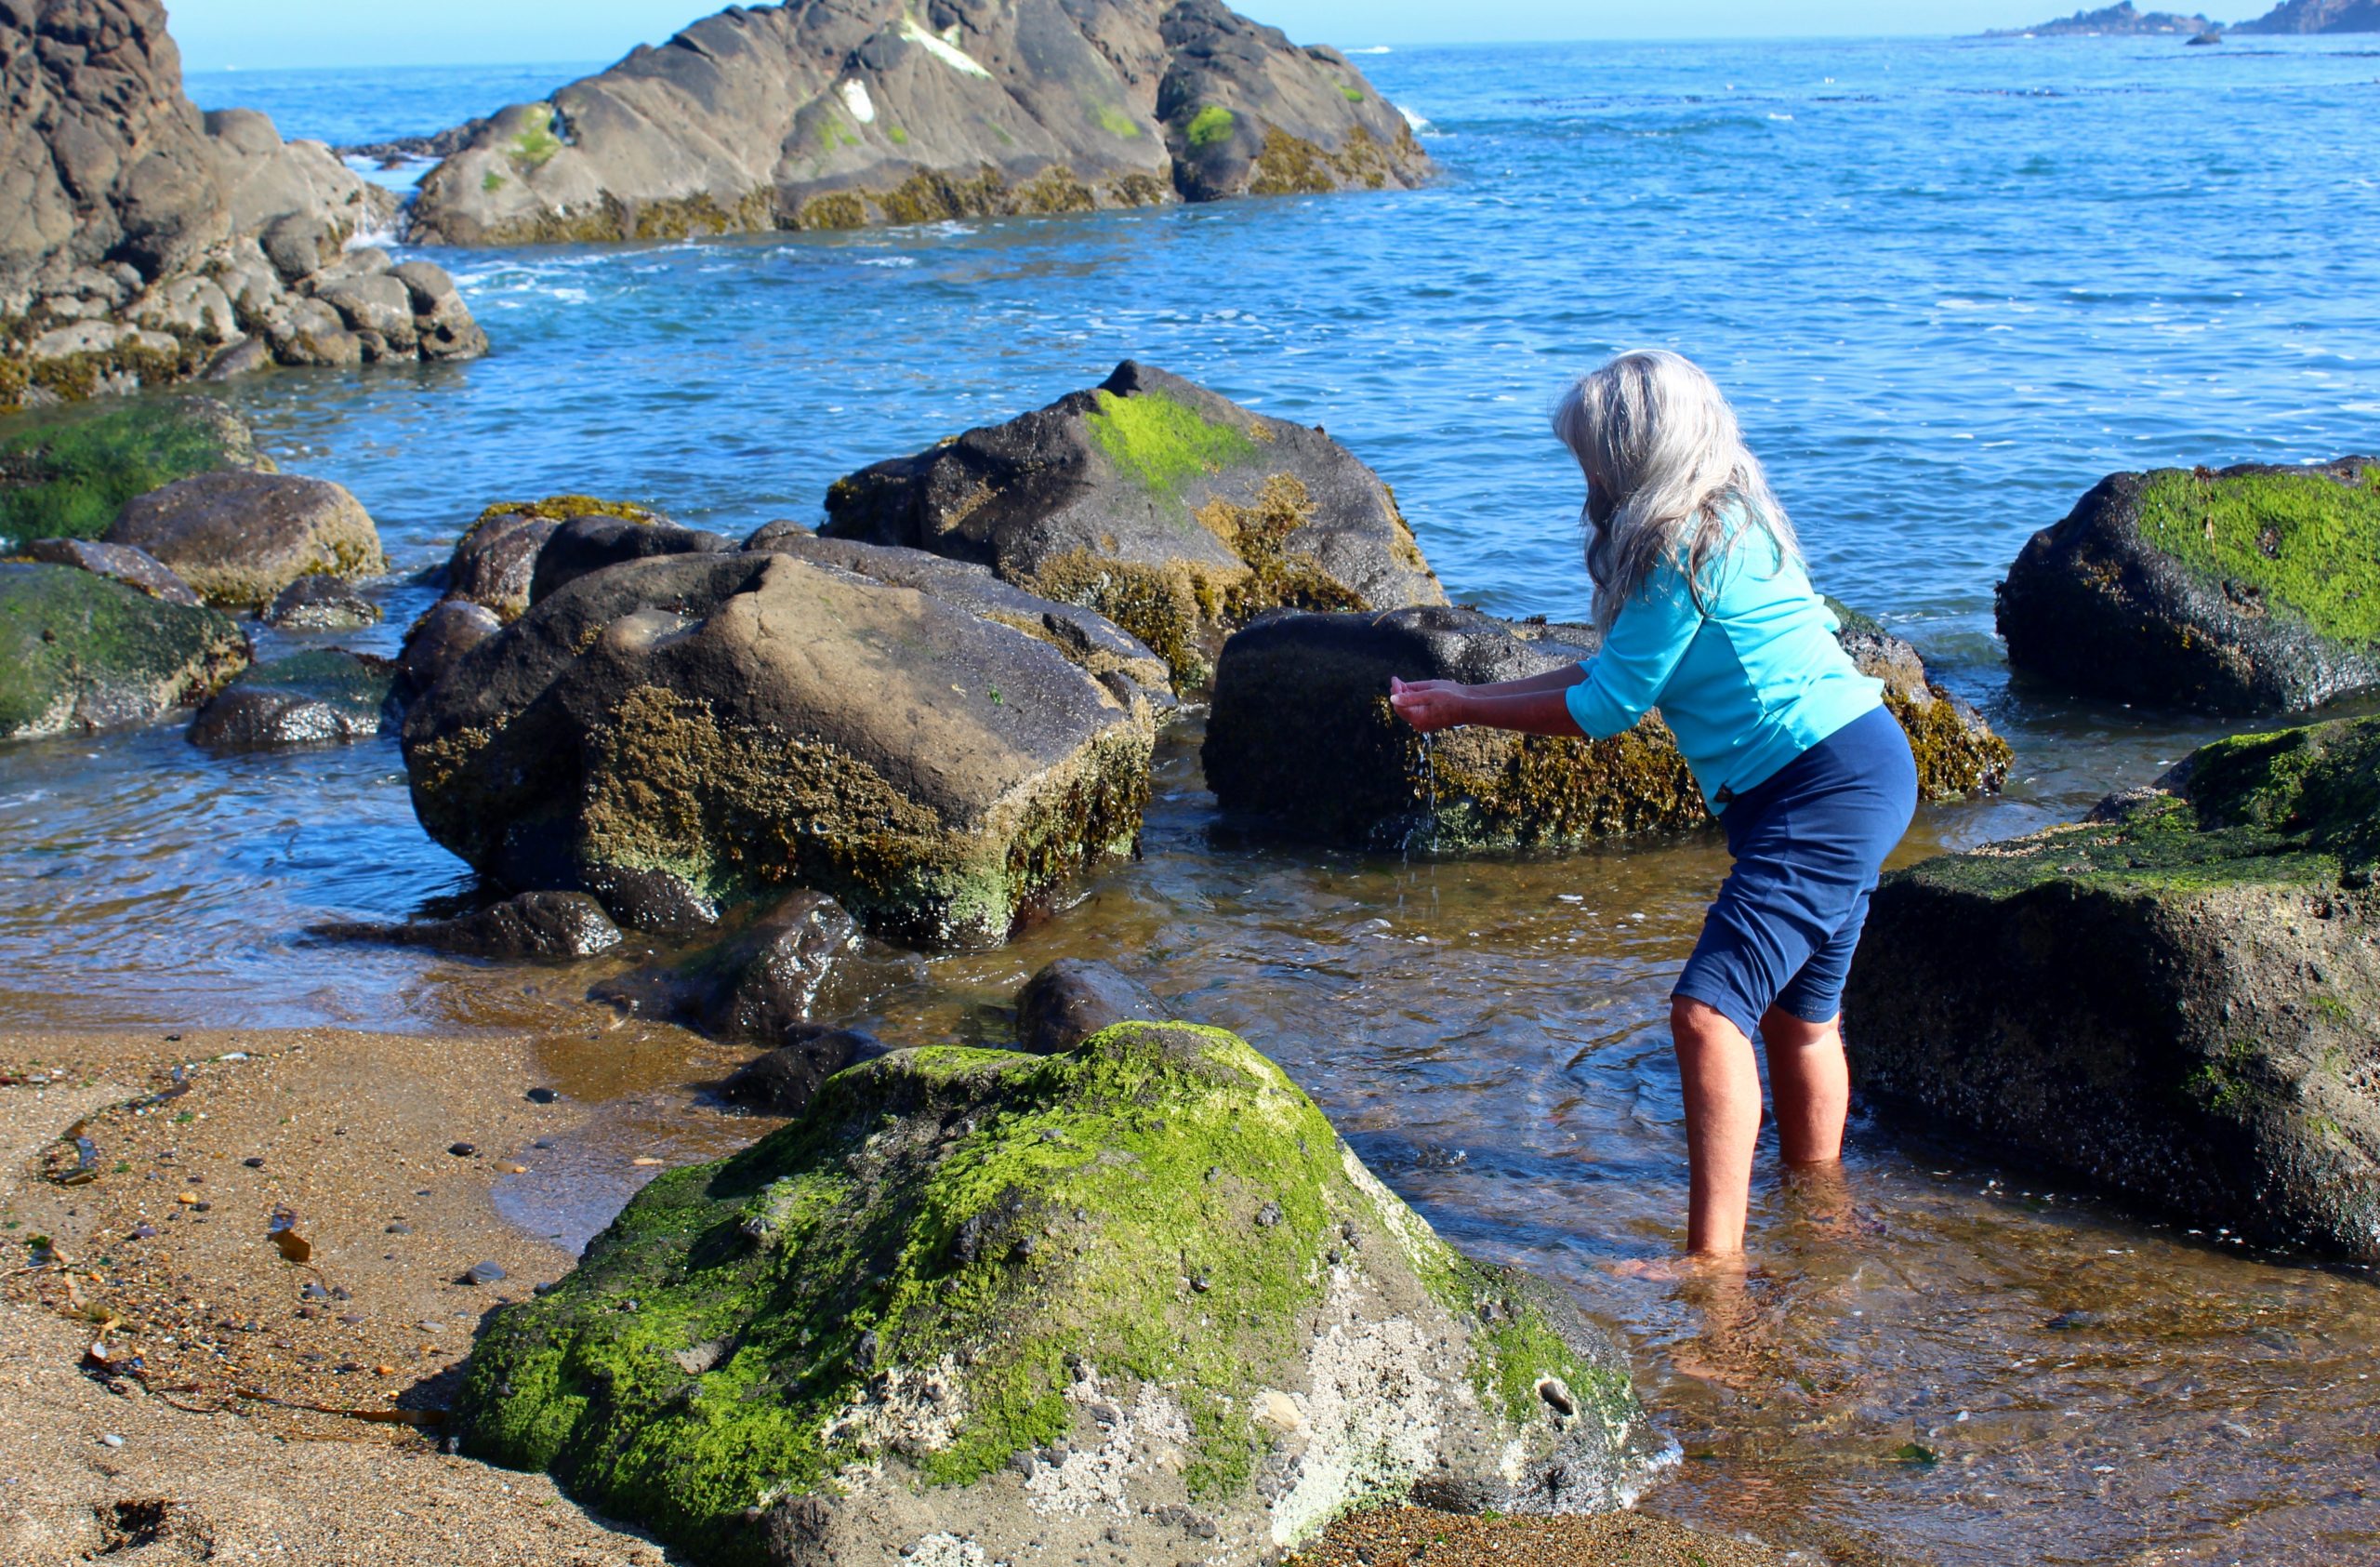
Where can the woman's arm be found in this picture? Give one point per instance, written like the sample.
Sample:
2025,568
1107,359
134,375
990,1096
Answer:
1535,705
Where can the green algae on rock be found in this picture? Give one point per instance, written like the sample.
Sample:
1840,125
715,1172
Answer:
1301,732
2173,998
1130,1304
1172,512
747,723
81,651
2252,589
67,474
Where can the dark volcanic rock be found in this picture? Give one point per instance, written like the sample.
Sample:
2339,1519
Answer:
318,602
437,642
590,543
545,924
743,724
819,115
496,561
653,901
2254,590
1134,1304
327,695
2173,999
1173,513
1301,732
81,651
239,539
1071,1000
786,1079
763,981
134,569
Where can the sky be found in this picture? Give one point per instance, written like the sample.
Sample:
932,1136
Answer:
261,34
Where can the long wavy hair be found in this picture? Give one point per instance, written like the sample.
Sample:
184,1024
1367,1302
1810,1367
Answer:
1666,465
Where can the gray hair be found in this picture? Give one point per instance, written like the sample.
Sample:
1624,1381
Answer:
1665,462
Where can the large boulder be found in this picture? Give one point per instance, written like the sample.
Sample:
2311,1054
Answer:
1301,732
496,559
741,724
818,115
66,475
81,651
2173,999
593,544
239,539
325,696
1133,1304
1174,512
2254,590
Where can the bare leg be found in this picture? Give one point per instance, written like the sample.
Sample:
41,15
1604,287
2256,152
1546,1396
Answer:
1812,1084
1722,1122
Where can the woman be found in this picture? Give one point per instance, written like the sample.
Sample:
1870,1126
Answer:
1705,612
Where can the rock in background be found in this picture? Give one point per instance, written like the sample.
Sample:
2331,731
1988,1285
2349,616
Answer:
1133,1304
1301,732
1174,512
2173,998
239,539
815,115
2252,590
67,474
81,651
143,242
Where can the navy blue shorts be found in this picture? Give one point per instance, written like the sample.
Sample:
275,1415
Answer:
1807,844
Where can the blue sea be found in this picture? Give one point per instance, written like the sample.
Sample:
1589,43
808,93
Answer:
1950,285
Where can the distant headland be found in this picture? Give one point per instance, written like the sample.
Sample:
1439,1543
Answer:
2128,20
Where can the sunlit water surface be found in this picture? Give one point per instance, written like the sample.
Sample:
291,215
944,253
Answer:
1950,284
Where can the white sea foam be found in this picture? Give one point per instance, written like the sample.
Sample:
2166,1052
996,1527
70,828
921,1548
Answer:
890,261
1419,125
1375,49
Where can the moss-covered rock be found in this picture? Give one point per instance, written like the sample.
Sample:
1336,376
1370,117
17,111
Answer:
327,695
1301,732
1131,1304
1175,513
240,538
2252,590
2174,998
66,474
742,723
81,651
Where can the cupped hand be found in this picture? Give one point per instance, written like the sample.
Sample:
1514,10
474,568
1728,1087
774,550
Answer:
1428,705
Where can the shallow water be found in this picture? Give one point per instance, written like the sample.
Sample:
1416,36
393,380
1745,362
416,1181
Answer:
1952,286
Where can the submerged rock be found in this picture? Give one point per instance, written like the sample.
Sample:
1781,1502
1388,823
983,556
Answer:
1174,512
134,569
81,651
327,695
743,723
2254,590
67,474
240,538
785,1080
1072,999
543,924
1137,1301
2173,999
818,115
317,602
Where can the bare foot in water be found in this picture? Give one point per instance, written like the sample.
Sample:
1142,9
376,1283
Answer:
1676,1270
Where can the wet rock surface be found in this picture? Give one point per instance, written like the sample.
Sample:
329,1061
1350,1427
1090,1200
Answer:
1173,513
740,723
318,602
785,1080
80,651
1000,1301
2171,999
121,563
240,538
322,696
66,474
2252,589
814,116
1073,999
1301,734
542,924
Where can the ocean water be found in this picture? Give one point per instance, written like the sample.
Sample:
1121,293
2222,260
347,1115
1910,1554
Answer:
1950,286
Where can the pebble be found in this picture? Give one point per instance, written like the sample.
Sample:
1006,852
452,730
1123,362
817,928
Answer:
483,1273
461,1150
253,1164
398,1229
541,1096
111,1439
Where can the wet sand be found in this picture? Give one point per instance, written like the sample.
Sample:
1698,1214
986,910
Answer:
279,1402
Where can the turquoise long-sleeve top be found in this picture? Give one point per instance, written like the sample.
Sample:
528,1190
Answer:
1748,680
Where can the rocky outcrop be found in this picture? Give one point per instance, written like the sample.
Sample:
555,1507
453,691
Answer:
2252,589
1072,999
1174,512
1301,734
325,696
2173,999
828,115
81,651
143,242
2317,16
2125,21
239,539
738,724
547,925
496,561
66,475
1133,1304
